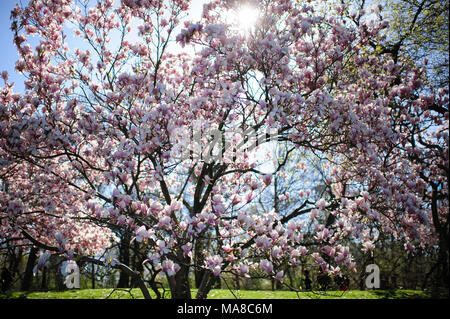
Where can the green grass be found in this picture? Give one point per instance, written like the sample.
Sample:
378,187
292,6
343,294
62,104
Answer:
226,294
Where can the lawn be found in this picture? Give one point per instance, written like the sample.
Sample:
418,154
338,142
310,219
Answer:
226,294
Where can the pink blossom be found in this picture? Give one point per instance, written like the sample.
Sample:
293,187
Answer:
323,235
162,248
235,200
142,234
267,179
164,222
215,264
263,242
335,270
279,275
187,249
4,75
276,252
200,227
243,270
156,206
409,247
322,203
330,251
368,246
169,267
42,261
250,197
313,214
302,250
266,266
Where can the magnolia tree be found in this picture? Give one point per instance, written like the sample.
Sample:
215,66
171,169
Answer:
137,123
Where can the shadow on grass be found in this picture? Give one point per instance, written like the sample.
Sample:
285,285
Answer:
405,294
13,295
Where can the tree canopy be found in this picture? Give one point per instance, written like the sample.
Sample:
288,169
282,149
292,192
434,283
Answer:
139,128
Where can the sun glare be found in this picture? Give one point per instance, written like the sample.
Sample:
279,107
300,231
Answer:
246,17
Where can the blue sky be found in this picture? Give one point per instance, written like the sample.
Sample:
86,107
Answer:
8,53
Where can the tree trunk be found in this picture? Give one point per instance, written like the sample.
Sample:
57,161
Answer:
153,285
199,273
443,261
124,258
59,278
44,279
28,276
179,283
15,261
93,276
206,285
124,268
137,262
443,232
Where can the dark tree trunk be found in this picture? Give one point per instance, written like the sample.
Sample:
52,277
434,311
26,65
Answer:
179,283
199,273
153,284
28,275
205,286
124,258
443,261
443,232
44,279
137,262
208,282
59,281
93,275
15,261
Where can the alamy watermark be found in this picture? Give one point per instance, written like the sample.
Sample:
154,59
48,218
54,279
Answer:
207,143
72,272
373,279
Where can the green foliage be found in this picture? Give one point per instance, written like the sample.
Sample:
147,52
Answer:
421,26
